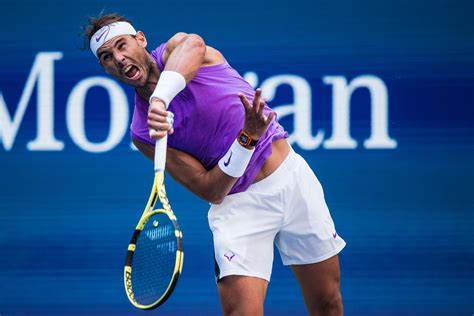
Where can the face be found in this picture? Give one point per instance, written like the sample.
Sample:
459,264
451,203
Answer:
126,59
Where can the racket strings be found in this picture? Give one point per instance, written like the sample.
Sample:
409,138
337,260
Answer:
154,260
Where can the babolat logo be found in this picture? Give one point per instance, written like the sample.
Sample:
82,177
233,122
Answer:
128,285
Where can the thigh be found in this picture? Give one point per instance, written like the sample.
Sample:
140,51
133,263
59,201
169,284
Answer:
244,228
242,295
320,284
308,234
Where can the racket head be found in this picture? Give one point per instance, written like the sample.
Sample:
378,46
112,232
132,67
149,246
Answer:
154,260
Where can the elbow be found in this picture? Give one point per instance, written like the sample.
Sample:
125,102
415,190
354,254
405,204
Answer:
196,43
217,201
214,197
209,193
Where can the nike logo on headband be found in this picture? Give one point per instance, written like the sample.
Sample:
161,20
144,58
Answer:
97,38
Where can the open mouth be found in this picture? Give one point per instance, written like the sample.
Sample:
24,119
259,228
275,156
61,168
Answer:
131,72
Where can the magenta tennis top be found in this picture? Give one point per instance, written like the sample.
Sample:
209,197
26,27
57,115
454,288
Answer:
208,116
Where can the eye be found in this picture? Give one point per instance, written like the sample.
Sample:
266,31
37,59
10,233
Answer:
105,57
121,45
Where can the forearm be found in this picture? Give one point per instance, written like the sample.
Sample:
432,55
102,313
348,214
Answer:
211,185
187,57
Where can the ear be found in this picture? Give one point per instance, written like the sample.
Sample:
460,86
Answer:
100,64
141,39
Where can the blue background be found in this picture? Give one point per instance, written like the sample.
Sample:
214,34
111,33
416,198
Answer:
406,213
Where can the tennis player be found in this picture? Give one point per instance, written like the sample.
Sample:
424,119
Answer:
226,146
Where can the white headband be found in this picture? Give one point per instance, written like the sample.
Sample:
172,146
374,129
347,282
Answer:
108,32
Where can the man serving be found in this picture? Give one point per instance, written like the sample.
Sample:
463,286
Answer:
233,153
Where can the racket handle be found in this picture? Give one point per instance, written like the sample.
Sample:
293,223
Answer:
160,153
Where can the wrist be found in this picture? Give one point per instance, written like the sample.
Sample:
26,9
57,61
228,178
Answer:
245,139
169,85
235,161
157,102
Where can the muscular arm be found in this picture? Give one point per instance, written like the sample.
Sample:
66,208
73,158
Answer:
211,185
186,53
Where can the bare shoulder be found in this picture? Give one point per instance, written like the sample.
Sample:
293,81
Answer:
174,41
212,56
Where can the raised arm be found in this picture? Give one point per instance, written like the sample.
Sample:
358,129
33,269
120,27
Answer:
186,53
183,56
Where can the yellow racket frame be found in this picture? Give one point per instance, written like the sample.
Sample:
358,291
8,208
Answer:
158,192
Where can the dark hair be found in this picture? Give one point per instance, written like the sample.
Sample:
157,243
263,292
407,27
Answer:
96,22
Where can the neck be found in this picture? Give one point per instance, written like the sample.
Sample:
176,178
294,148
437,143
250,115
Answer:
154,74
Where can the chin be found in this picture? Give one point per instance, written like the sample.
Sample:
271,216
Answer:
133,83
140,83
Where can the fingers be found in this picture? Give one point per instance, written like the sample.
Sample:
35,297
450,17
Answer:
154,134
260,109
257,104
157,110
270,118
160,123
245,103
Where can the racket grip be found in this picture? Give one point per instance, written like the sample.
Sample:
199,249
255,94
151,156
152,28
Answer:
160,153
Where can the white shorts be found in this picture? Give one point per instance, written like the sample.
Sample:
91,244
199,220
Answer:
286,208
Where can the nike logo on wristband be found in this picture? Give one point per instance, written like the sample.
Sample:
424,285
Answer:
226,163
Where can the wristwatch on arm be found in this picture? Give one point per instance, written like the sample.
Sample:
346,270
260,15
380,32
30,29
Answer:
245,140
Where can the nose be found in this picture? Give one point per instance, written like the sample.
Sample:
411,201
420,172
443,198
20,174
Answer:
119,58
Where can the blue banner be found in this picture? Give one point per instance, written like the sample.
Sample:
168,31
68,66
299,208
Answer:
378,97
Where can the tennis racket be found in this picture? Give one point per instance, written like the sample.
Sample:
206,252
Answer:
155,254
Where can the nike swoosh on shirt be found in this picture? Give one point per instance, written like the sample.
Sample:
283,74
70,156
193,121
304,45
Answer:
226,163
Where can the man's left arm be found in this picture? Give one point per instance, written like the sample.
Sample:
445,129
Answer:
214,184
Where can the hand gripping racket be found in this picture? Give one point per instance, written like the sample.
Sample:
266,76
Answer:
155,253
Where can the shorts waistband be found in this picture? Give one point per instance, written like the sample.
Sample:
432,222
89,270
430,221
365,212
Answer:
280,174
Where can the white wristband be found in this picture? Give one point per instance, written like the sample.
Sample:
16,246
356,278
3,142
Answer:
169,85
236,159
